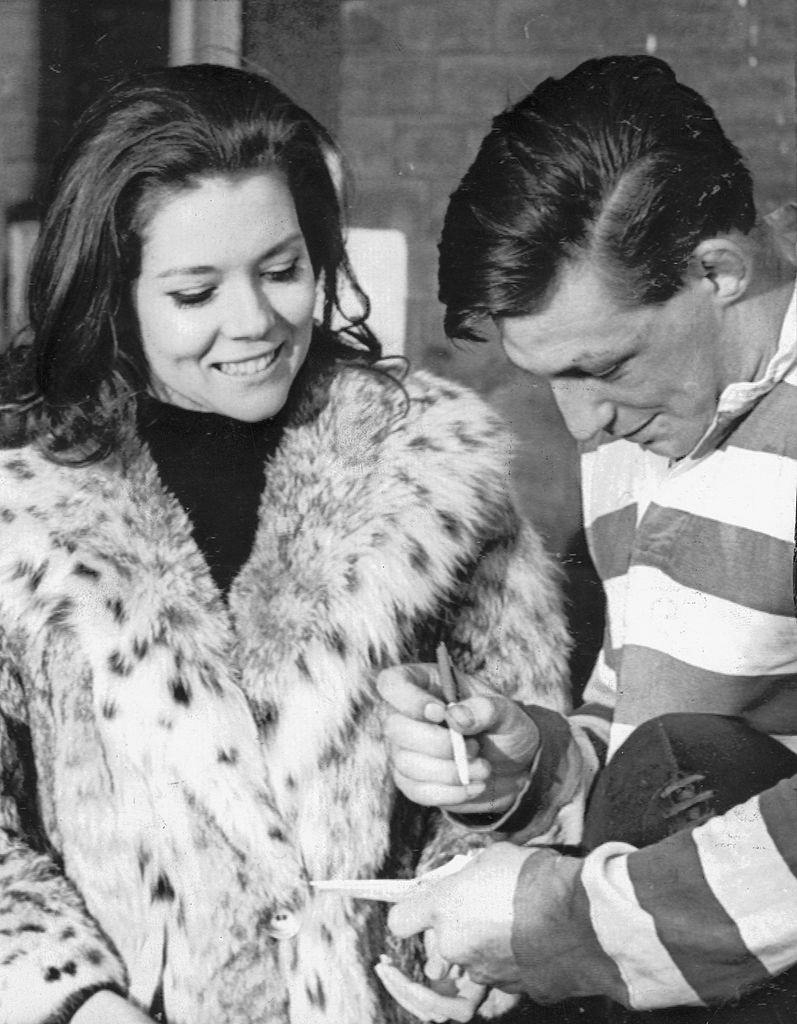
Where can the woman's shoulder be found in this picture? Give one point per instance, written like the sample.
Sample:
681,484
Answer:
433,434
42,487
418,402
28,480
21,466
446,399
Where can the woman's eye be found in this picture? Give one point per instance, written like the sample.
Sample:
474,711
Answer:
280,274
192,298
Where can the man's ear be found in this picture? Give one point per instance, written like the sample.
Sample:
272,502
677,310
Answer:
724,264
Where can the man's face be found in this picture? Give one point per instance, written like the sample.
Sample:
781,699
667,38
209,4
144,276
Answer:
649,374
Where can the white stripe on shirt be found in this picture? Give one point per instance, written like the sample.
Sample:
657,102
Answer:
706,631
737,486
627,933
635,476
754,877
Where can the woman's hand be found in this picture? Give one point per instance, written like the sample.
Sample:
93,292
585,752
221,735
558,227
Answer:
107,1007
502,743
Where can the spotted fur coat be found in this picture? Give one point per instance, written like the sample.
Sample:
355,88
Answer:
175,768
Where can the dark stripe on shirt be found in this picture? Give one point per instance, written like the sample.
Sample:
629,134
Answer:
767,702
669,884
610,539
739,565
779,811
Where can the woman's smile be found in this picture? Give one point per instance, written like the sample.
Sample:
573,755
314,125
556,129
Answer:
225,297
251,366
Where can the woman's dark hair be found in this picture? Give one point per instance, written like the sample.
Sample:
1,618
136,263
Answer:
147,137
616,162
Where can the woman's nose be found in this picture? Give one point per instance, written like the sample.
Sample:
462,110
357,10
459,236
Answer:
583,408
249,314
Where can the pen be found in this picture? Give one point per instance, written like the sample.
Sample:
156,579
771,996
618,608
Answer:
450,695
391,890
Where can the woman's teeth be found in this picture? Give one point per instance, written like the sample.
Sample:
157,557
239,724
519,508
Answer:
249,366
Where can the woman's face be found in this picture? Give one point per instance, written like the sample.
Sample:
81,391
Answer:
225,296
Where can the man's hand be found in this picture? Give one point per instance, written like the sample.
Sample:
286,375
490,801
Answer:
107,1007
453,998
501,749
471,915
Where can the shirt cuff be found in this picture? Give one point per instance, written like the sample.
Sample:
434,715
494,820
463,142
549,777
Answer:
551,810
553,940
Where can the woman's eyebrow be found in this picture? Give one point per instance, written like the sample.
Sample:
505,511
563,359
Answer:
275,250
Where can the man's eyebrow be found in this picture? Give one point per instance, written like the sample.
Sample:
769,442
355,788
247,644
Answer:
275,250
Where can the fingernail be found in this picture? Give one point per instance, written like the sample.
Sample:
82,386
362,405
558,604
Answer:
435,969
417,674
475,789
434,713
461,715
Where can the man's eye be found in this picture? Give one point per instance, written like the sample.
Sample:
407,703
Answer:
608,373
192,298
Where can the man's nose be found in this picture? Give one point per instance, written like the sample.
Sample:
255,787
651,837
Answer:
249,314
584,409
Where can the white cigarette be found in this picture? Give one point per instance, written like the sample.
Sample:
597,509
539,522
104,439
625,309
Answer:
460,755
448,684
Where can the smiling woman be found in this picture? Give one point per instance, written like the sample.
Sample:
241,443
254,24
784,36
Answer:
225,296
219,520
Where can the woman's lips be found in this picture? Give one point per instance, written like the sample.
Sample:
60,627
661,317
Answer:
249,367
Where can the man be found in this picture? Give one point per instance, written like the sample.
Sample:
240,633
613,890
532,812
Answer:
607,228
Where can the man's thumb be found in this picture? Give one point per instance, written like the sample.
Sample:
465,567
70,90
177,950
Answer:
410,916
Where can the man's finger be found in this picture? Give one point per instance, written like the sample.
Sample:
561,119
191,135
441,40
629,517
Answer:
435,966
410,916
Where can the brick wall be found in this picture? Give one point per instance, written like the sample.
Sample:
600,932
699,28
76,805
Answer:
298,45
85,46
19,61
55,56
420,82
19,97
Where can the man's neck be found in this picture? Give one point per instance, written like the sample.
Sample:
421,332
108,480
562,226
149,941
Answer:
753,325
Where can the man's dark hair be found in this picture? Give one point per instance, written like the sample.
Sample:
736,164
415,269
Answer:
616,162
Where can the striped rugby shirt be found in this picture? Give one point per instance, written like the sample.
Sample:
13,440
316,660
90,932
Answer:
696,562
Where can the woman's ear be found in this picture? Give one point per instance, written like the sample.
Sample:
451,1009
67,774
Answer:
725,264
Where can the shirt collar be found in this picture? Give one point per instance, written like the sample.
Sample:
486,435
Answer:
739,398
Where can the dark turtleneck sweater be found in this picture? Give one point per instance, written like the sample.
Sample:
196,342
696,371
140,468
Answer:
215,467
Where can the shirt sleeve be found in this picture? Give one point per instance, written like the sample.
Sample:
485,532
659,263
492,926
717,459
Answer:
549,809
699,918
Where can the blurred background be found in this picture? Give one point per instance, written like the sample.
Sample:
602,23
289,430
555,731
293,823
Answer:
409,87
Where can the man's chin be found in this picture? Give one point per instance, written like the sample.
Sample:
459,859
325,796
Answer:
668,447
